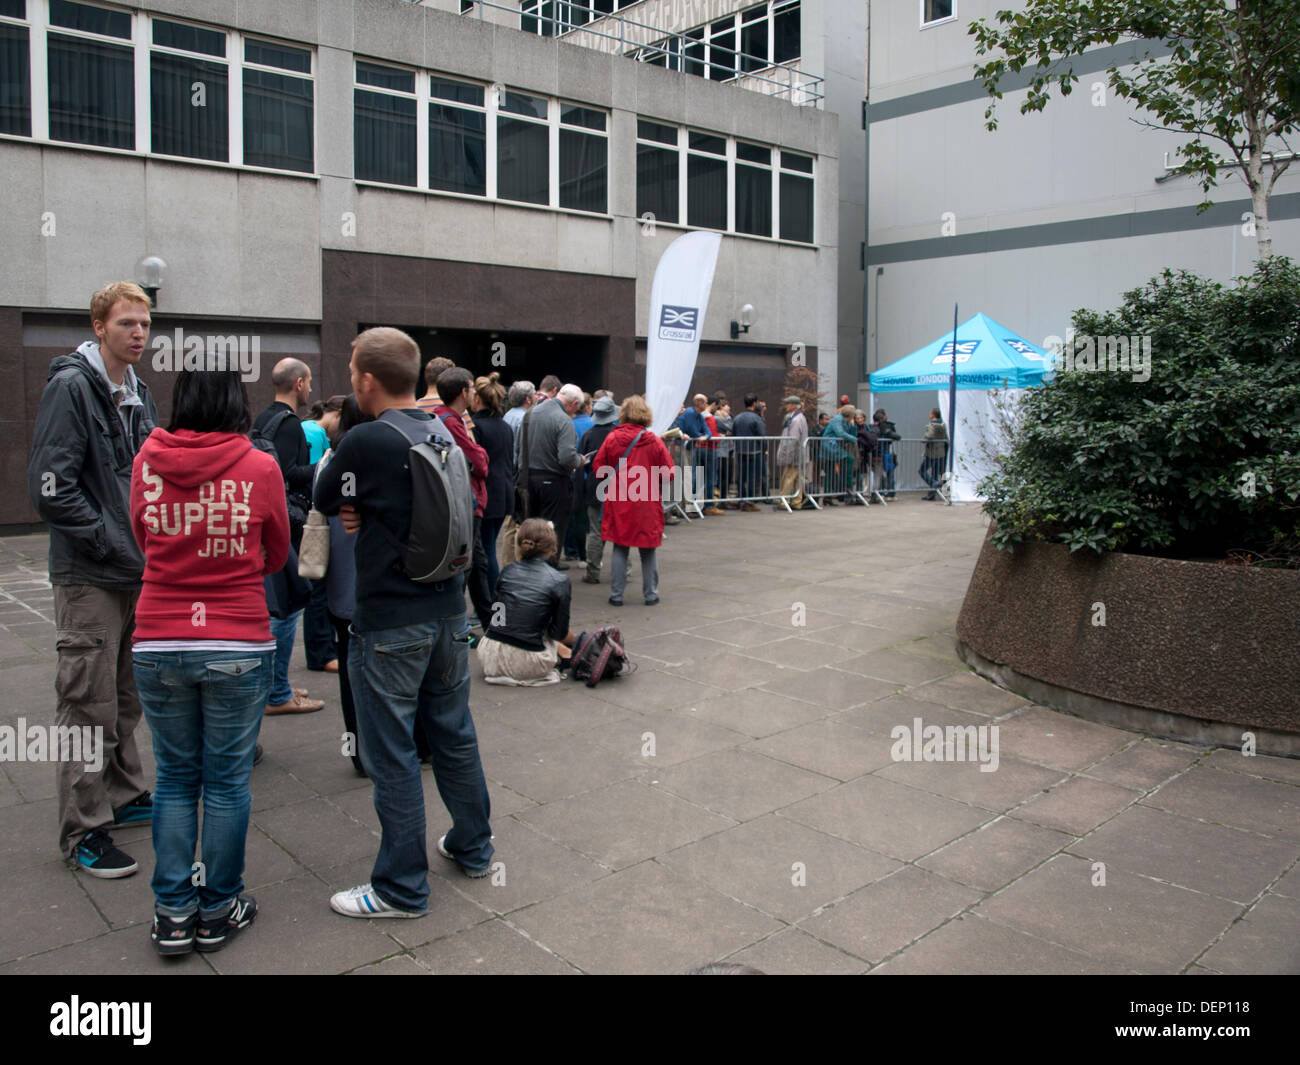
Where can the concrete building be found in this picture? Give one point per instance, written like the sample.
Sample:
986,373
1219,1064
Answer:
1054,211
313,167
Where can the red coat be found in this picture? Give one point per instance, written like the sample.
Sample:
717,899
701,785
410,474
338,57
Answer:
633,500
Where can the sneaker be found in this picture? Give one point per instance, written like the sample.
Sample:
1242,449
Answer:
652,602
476,874
587,578
97,855
615,602
299,704
138,810
215,932
364,901
173,935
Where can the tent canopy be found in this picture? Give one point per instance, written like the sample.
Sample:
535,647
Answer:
989,355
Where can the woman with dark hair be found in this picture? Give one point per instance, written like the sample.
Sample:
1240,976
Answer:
341,583
530,633
320,425
498,440
209,513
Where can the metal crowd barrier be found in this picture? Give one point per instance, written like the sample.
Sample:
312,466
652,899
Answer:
741,469
833,471
902,466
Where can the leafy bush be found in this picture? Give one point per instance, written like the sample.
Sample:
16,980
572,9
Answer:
1200,461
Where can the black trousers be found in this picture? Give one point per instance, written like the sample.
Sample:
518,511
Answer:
550,496
479,594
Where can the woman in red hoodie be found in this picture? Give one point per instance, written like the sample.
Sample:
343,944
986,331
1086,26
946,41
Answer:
209,512
631,466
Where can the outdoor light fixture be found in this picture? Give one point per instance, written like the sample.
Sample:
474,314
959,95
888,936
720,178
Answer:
746,320
149,274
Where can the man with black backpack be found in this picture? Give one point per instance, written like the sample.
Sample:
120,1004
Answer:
278,428
409,659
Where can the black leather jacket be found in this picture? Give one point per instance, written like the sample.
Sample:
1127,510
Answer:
532,601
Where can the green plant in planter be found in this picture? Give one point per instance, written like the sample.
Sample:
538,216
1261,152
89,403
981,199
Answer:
1200,460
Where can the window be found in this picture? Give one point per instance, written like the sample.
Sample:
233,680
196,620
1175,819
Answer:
754,39
753,189
657,179
188,95
278,107
523,149
722,49
786,43
937,11
384,124
457,137
91,75
584,159
15,71
796,197
751,40
706,181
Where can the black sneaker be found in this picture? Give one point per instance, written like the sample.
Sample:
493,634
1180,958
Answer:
213,934
138,810
97,855
173,935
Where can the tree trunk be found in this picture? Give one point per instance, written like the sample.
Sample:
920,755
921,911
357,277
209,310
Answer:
1263,235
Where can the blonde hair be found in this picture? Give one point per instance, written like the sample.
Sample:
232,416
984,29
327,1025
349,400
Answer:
103,301
636,411
391,356
490,391
535,537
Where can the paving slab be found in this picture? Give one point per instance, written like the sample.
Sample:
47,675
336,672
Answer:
830,747
996,854
793,952
974,946
1263,806
492,948
740,784
1077,805
1266,940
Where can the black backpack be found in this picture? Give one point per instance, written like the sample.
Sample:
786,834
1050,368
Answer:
263,439
440,543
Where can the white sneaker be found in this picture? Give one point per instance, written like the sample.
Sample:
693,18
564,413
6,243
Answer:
364,901
476,874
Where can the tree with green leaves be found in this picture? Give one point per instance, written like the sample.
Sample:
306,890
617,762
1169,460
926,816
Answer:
1228,75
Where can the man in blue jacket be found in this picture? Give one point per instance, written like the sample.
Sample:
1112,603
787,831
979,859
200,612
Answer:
694,427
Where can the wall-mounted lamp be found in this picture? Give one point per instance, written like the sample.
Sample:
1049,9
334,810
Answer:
149,275
746,320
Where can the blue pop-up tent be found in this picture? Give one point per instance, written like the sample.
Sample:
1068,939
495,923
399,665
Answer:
989,356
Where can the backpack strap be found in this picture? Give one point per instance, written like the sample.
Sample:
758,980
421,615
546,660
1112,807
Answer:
270,428
629,449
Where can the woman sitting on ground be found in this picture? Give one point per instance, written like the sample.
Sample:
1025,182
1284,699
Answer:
528,632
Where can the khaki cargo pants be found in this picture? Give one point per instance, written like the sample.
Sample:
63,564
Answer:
95,686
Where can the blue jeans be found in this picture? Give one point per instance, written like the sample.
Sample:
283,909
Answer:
490,529
205,710
283,630
398,675
317,632
709,460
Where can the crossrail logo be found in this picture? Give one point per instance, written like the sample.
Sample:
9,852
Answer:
678,323
965,349
79,1018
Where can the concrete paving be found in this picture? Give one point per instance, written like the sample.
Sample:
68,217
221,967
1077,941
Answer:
737,798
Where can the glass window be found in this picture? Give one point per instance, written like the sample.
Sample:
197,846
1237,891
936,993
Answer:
785,33
458,92
754,33
656,131
189,105
13,8
656,182
936,10
707,142
753,200
706,191
753,153
571,115
385,77
89,19
15,79
722,49
92,91
278,121
384,136
266,54
520,104
796,208
693,52
792,161
583,167
457,150
523,160
188,38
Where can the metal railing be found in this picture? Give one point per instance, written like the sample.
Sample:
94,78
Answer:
903,466
619,34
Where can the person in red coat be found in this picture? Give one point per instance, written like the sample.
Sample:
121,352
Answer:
631,466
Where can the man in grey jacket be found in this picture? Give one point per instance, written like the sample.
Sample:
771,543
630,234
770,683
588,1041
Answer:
552,457
93,417
790,452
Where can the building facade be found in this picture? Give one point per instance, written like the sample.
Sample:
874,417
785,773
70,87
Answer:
310,168
1055,211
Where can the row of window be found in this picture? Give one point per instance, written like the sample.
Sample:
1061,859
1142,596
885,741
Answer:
220,96
212,94
749,40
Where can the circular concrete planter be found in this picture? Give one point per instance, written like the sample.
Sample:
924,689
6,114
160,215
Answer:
1184,650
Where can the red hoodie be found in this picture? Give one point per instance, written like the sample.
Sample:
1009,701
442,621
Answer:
209,512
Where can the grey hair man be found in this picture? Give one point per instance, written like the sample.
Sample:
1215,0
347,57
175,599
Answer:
551,457
521,397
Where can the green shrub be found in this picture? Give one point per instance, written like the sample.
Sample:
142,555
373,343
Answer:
1200,461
